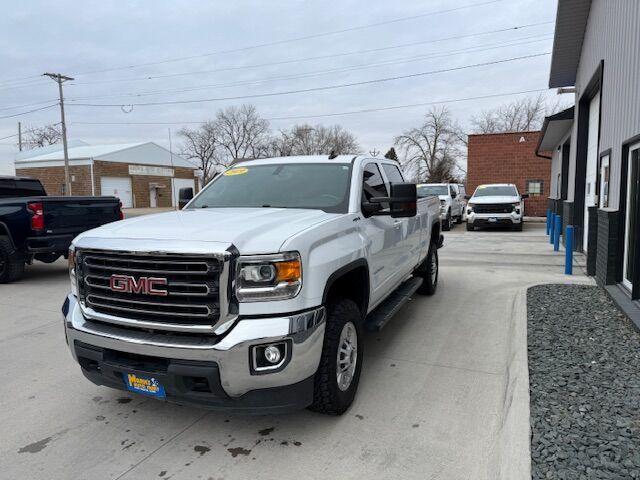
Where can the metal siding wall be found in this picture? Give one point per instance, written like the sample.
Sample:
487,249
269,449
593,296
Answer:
556,168
612,35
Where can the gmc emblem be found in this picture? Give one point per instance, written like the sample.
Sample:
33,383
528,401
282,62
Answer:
144,285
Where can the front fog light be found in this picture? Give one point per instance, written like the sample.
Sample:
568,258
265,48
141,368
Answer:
270,357
272,354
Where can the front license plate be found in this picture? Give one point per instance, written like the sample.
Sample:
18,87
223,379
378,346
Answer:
144,384
493,220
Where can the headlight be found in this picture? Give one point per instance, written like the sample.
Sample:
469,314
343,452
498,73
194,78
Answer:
470,207
262,278
72,270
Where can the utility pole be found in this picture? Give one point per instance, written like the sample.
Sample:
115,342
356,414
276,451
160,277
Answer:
60,79
20,136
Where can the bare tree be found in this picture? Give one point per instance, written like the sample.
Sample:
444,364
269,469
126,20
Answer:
37,137
242,133
201,144
315,140
431,152
521,115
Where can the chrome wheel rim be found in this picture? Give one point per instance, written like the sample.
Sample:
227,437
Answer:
347,356
434,267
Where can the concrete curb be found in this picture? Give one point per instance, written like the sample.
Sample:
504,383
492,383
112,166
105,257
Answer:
513,444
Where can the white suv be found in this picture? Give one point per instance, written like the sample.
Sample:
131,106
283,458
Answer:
496,204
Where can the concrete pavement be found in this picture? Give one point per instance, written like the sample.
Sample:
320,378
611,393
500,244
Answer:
443,392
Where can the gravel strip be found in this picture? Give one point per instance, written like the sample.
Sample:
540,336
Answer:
584,373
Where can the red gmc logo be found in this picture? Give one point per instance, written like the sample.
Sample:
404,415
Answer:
144,285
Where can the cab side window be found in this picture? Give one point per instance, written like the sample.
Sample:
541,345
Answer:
393,173
373,184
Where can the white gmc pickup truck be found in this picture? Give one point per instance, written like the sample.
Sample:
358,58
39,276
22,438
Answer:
255,296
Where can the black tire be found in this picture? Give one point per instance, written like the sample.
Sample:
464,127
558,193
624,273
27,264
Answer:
328,398
446,225
426,271
11,262
470,227
517,227
459,219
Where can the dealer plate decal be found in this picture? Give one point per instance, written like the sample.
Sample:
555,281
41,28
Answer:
143,384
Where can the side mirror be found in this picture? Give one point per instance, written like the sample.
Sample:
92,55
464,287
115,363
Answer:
454,195
524,195
467,197
184,196
402,202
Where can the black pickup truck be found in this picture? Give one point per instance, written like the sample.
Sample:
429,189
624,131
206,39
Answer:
35,226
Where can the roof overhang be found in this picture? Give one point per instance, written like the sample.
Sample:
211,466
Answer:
554,129
571,23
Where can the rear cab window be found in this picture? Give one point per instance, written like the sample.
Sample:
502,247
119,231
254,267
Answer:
15,188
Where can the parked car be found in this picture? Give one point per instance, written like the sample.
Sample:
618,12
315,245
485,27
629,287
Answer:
255,295
451,203
494,205
34,226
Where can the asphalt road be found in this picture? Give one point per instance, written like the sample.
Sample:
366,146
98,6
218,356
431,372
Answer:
443,392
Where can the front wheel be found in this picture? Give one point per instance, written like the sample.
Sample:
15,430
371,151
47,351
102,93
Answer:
469,226
446,225
338,375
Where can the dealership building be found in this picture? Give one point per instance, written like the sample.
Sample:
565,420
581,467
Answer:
142,175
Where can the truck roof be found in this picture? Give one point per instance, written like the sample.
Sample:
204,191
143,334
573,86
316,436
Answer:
300,159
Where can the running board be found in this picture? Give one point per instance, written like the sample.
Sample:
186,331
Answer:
384,312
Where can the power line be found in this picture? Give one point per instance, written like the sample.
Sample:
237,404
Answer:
314,89
336,114
28,104
478,48
9,136
290,40
317,57
29,111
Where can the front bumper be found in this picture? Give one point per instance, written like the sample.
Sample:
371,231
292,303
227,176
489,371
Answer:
106,352
488,219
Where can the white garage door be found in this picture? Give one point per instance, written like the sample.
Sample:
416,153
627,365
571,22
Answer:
118,187
177,184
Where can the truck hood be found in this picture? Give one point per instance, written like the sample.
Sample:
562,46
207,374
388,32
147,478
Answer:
250,230
494,199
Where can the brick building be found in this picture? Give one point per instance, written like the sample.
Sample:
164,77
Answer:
140,174
510,158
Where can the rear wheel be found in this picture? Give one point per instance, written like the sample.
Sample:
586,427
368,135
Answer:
429,271
338,375
11,262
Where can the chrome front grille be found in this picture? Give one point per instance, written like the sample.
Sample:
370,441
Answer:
187,298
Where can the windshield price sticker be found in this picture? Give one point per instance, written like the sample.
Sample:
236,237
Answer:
236,171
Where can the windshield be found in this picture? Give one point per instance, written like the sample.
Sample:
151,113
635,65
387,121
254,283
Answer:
496,190
432,190
293,185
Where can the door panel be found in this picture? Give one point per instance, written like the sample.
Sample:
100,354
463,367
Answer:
592,165
382,236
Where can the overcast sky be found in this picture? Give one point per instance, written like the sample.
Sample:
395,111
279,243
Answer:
77,38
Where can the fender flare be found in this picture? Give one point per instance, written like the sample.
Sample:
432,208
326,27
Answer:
361,262
4,230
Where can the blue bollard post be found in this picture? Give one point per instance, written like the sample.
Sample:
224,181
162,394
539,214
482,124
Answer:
548,221
568,257
557,230
551,222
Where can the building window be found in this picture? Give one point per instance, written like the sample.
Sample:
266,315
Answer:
534,187
604,181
